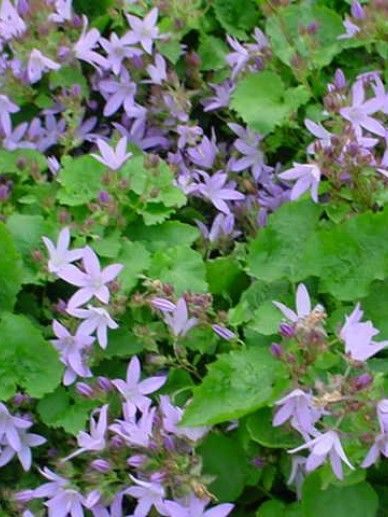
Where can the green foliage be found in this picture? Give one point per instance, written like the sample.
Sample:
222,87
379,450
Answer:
11,272
236,16
135,259
167,234
263,102
212,52
236,384
261,431
26,360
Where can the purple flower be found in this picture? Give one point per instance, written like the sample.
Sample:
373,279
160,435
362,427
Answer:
238,59
114,159
63,11
188,135
382,415
92,282
55,483
60,256
133,390
216,190
298,407
148,494
117,50
172,415
303,305
357,11
11,24
10,427
194,507
358,114
327,444
121,93
143,31
23,451
95,318
53,165
298,471
6,108
136,432
223,332
158,71
178,320
379,447
163,304
204,153
84,48
308,178
320,132
65,502
221,97
358,336
95,441
248,145
38,64
351,30
222,227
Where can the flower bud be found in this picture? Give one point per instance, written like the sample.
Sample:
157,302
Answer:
363,381
223,332
258,462
24,496
85,390
357,11
101,465
137,460
117,442
103,197
276,350
4,193
75,90
286,330
163,304
104,384
312,27
22,7
169,443
339,79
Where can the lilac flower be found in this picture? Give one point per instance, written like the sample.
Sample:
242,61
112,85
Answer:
221,97
55,483
358,336
53,165
308,178
327,444
248,145
351,29
357,11
172,415
11,24
133,390
136,432
71,348
223,332
158,71
382,415
117,50
84,48
114,159
303,305
71,374
92,282
121,93
65,502
320,132
10,427
216,190
298,471
222,227
95,318
298,407
188,135
145,138
163,304
63,11
6,108
238,59
23,452
204,153
379,447
38,64
194,507
148,494
144,31
13,140
178,320
60,256
95,441
358,114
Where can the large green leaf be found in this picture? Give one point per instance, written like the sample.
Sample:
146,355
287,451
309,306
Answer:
262,101
236,384
262,431
169,233
236,16
135,259
26,360
11,272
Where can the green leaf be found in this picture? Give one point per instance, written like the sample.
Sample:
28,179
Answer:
224,275
169,233
122,343
212,52
68,76
276,508
236,384
356,500
375,307
236,16
10,161
59,409
266,319
222,456
26,360
181,267
283,29
11,272
80,179
278,249
262,431
135,259
262,101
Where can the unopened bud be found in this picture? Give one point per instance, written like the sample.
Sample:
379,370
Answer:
137,460
312,28
104,197
101,465
276,350
363,381
104,384
24,496
357,11
85,390
339,79
286,330
22,7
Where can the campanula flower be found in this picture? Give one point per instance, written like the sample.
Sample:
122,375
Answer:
117,50
380,447
95,319
323,446
121,92
204,154
144,31
38,64
60,256
113,158
158,71
188,135
238,59
221,228
148,494
178,320
297,407
87,42
7,107
297,475
307,176
136,432
218,190
303,305
23,452
65,502
221,97
10,427
11,24
248,145
382,415
192,506
172,415
63,11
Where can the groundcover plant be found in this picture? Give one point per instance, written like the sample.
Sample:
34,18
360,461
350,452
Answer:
193,258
